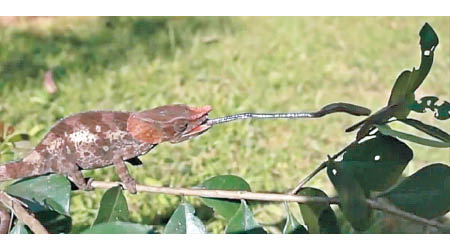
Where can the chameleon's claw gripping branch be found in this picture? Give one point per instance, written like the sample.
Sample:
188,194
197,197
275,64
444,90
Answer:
328,109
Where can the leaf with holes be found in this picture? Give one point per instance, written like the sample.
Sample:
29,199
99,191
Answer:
243,222
184,221
378,162
226,208
386,130
426,102
319,217
119,227
406,84
292,226
441,112
425,193
113,207
353,200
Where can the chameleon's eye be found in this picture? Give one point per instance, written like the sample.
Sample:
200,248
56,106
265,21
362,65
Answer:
181,126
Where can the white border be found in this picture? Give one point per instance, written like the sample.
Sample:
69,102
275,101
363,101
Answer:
229,7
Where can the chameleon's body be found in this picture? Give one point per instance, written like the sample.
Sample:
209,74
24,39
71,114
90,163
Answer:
101,138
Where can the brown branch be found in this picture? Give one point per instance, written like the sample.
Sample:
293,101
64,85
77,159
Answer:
274,197
5,219
22,213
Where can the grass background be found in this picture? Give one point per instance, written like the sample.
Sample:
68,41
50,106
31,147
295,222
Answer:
234,64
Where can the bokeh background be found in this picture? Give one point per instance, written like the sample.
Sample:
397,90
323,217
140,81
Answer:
235,64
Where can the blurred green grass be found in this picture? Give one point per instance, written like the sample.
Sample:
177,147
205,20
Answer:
235,65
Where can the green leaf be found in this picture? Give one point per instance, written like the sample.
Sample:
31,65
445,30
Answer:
353,200
119,227
225,207
428,129
406,84
386,130
113,206
20,228
48,197
424,103
53,221
425,193
441,112
243,222
292,226
378,162
328,222
184,221
428,38
402,94
49,190
312,213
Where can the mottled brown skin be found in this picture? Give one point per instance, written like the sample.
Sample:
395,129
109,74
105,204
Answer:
98,139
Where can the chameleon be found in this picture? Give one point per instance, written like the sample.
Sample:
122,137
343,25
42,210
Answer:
97,139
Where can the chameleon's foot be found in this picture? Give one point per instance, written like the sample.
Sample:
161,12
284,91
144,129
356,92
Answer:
80,183
85,186
89,186
130,185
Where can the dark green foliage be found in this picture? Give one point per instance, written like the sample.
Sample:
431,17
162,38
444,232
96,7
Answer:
425,193
328,222
378,162
119,227
184,221
48,197
50,190
113,207
224,207
353,198
441,112
402,93
243,222
319,218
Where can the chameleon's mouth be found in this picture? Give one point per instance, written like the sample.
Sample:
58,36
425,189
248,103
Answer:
200,119
200,129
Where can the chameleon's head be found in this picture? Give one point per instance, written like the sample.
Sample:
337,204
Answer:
174,123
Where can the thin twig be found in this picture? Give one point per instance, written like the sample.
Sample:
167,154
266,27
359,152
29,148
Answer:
273,197
308,178
317,170
23,214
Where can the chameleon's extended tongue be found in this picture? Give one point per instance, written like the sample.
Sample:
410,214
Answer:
328,109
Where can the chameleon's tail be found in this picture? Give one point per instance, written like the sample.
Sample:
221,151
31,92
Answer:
17,169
